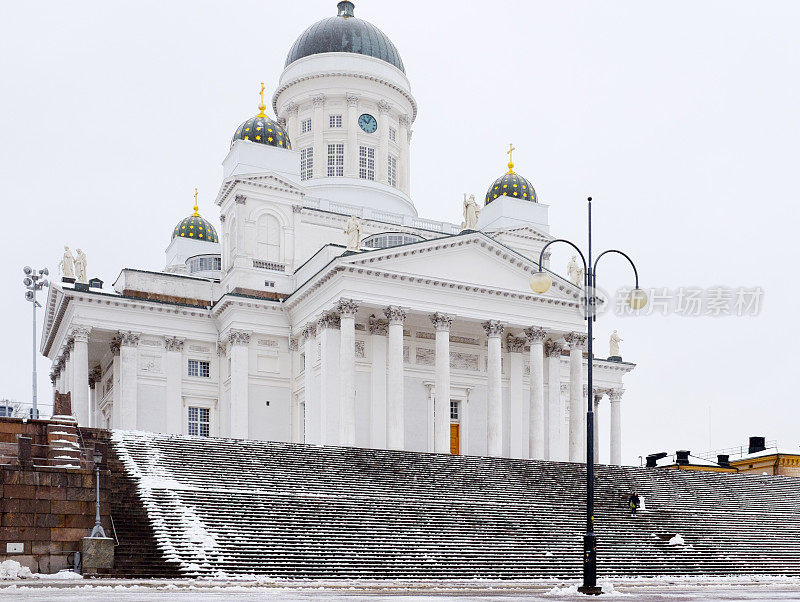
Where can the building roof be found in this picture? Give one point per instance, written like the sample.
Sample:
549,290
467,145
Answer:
345,33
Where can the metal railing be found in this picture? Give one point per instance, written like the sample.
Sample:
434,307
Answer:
741,450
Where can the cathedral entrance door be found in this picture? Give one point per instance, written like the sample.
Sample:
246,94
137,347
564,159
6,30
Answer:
454,442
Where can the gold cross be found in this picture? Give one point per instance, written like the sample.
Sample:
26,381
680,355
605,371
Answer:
196,214
261,105
510,150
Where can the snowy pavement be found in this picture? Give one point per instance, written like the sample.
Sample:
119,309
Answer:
664,588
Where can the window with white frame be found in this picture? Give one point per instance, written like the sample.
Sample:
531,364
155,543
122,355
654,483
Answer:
305,126
335,160
199,422
306,163
454,409
366,163
390,239
391,170
204,264
199,368
392,135
335,121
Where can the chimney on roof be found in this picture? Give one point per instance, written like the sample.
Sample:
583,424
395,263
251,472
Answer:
724,460
652,459
682,457
757,444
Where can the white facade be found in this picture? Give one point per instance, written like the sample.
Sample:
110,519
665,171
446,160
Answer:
290,337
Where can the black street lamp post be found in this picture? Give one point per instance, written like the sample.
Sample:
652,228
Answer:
540,283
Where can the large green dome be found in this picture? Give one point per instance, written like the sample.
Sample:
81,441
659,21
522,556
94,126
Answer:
345,33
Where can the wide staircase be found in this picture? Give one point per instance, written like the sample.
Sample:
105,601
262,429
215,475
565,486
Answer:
227,507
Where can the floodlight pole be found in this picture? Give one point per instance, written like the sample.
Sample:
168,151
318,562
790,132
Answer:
589,586
34,282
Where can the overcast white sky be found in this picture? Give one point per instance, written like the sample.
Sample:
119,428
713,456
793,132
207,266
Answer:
680,118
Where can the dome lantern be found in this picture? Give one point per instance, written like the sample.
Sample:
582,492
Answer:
511,184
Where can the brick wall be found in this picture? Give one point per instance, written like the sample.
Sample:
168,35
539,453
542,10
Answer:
45,508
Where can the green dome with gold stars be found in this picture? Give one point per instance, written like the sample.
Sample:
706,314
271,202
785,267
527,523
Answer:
512,185
262,130
195,227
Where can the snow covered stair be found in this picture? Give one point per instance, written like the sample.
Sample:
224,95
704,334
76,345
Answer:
223,506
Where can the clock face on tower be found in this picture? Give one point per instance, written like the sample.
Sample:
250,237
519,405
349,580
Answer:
368,123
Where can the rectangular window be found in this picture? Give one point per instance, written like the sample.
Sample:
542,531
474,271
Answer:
335,121
199,422
305,126
335,160
306,163
453,409
366,163
391,171
199,368
392,135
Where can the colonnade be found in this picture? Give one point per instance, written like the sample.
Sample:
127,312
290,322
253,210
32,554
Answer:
333,337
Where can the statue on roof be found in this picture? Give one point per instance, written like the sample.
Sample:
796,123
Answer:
471,213
575,271
613,345
80,267
67,264
353,231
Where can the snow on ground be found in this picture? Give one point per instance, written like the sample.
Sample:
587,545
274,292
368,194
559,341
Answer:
675,589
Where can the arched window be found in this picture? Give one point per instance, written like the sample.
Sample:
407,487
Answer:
269,238
390,239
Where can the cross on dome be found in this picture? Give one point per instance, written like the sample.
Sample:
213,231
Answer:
510,150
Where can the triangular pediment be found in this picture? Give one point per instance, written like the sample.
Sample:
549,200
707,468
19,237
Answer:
472,259
267,182
521,232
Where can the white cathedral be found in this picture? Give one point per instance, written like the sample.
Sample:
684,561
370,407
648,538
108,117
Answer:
327,311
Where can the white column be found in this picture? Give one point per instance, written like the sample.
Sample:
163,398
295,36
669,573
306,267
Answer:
597,397
378,329
292,128
536,434
311,418
518,419
616,427
351,149
494,402
69,357
553,412
404,136
381,172
395,407
129,364
441,403
94,411
328,337
80,374
174,418
318,125
577,407
347,309
239,403
116,383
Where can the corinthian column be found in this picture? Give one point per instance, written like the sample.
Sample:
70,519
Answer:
577,413
616,426
494,404
441,404
174,402
378,330
554,416
80,374
329,405
129,399
347,309
395,409
311,427
536,432
239,345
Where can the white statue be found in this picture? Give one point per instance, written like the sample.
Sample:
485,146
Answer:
80,268
67,264
613,345
353,231
575,271
471,213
